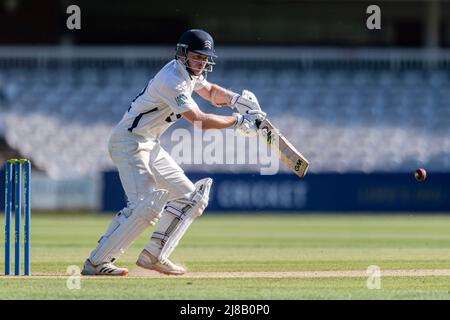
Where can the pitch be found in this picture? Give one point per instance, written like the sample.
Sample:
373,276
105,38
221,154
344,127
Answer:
320,256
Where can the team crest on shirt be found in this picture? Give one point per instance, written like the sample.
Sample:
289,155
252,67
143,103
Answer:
181,100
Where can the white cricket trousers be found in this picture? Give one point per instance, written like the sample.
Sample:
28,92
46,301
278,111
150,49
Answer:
145,166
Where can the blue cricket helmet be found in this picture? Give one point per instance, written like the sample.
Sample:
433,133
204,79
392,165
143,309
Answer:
197,41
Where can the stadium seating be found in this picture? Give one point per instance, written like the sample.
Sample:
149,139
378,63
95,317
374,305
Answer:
343,119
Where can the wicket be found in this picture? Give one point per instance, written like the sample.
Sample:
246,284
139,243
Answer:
17,187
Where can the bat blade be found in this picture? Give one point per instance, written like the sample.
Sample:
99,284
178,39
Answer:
287,153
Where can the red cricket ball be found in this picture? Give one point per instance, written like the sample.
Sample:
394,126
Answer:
420,174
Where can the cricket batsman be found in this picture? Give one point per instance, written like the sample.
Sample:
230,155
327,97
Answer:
156,187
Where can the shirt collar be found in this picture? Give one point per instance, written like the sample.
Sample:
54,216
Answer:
184,72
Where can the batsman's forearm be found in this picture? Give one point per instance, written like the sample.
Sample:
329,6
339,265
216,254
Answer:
221,96
215,121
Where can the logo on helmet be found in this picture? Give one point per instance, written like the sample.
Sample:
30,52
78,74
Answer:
207,44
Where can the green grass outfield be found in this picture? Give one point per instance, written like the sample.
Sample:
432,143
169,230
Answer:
250,257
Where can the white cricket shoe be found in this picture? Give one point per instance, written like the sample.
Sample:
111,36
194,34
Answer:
147,261
104,269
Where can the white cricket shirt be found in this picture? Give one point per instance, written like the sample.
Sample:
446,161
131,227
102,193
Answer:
162,101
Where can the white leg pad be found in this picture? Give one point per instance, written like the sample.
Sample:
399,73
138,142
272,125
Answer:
127,226
176,219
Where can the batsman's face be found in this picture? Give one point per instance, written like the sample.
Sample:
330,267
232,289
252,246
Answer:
197,62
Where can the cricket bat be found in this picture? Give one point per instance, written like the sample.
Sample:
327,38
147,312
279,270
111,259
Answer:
287,153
